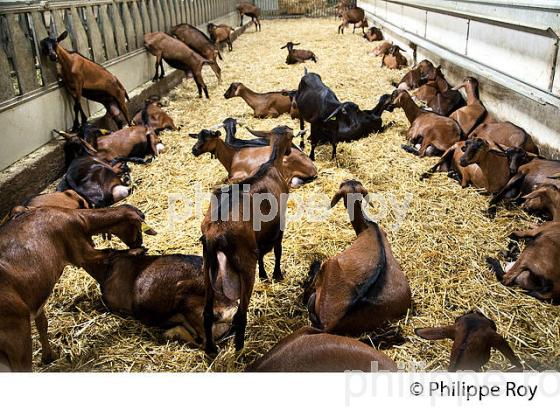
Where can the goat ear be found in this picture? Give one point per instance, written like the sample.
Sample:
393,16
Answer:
555,176
533,194
259,134
147,229
285,47
195,136
296,44
498,152
62,36
305,71
229,281
336,198
436,333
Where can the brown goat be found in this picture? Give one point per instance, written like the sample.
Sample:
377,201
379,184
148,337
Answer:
179,56
220,33
393,59
340,7
165,291
546,198
536,269
381,49
84,78
412,79
474,336
197,40
430,133
264,105
438,94
474,113
310,350
242,161
480,163
298,56
250,10
355,16
233,241
153,116
507,134
363,287
373,34
54,237
529,177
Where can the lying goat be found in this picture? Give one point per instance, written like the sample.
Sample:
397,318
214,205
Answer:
473,335
413,78
381,49
310,350
474,113
536,268
363,287
546,198
165,291
298,56
438,94
507,134
179,56
393,59
152,116
84,78
373,34
429,133
264,105
235,238
53,238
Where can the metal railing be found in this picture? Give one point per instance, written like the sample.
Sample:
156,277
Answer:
103,30
297,8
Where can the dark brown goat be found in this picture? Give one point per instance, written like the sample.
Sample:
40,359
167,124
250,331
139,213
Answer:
54,237
439,96
271,104
165,291
84,78
430,133
355,16
474,336
179,56
507,134
250,10
153,116
393,59
219,34
233,241
412,79
474,113
536,269
363,287
310,350
546,198
373,34
298,56
197,40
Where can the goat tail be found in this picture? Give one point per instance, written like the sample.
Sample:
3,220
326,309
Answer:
215,67
210,249
124,89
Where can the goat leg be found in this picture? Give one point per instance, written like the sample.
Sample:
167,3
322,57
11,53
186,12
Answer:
209,346
161,68
41,323
277,274
262,271
502,345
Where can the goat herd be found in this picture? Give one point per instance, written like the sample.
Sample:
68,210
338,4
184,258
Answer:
202,299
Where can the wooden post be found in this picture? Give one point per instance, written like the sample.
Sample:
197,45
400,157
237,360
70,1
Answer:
107,31
146,21
160,18
48,68
129,26
7,89
119,28
95,38
153,16
79,32
58,16
138,24
23,58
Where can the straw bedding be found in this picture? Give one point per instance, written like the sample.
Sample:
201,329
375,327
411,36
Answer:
441,243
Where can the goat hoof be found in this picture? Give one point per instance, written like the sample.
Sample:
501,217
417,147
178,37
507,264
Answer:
211,350
491,213
278,277
49,357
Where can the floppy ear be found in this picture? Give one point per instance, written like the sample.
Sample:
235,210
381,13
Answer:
400,49
229,281
436,333
62,37
147,229
534,193
337,197
498,152
555,176
137,251
305,71
296,44
195,136
285,47
259,134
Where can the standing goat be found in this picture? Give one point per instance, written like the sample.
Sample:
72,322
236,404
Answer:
84,78
179,56
197,40
355,16
473,335
298,56
220,33
250,10
234,241
363,287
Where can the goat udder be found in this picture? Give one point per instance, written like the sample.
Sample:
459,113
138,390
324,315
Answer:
120,192
403,86
159,148
297,182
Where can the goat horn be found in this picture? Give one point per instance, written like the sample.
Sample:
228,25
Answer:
301,133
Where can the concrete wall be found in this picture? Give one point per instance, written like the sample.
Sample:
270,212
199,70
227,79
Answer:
510,46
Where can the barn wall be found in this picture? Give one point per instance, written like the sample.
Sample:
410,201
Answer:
511,46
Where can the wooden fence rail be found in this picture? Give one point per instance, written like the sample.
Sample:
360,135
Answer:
102,30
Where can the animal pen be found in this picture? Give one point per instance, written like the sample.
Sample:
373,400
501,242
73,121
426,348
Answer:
439,232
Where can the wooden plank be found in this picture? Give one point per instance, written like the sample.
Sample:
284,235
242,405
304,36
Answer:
107,31
179,11
198,15
138,24
166,14
7,89
146,21
23,58
80,34
186,12
160,18
189,18
60,27
153,16
172,15
118,28
129,26
48,68
95,38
